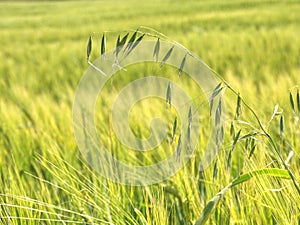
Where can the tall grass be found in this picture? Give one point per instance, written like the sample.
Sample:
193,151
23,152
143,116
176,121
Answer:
43,180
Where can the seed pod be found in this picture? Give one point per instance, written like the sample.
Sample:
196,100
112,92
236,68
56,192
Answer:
131,40
135,44
181,65
89,48
215,174
166,56
169,95
178,149
281,126
238,110
156,50
174,129
103,45
232,132
298,102
292,104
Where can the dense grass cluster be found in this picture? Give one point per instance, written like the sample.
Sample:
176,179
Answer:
254,46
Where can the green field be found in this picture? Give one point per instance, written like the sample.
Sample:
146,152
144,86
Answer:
253,45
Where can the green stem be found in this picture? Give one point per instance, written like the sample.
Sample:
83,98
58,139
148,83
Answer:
271,140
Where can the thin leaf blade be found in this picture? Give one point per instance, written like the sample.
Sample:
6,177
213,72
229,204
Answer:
273,172
212,204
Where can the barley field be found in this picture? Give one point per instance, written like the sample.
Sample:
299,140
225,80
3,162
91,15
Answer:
253,49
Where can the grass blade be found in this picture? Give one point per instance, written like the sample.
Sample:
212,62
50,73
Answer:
141,216
273,172
211,205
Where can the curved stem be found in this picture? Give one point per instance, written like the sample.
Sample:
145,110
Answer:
271,140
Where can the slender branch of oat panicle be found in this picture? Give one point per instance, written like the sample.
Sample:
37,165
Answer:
265,132
88,55
269,137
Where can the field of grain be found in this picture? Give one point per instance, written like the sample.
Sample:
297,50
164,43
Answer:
253,45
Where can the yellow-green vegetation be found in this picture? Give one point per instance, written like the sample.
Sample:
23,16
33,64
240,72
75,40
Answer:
254,46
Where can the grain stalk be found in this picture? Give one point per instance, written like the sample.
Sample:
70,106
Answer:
133,42
269,137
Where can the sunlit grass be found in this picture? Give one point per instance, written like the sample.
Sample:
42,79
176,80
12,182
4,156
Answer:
44,180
